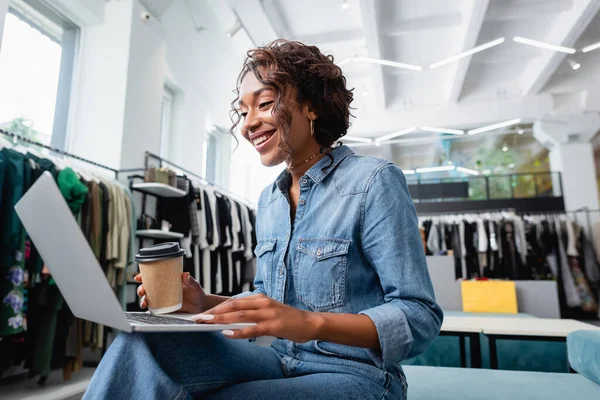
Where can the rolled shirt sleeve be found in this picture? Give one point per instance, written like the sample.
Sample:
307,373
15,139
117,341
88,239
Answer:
410,319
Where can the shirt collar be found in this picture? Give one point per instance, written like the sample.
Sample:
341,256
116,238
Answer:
320,170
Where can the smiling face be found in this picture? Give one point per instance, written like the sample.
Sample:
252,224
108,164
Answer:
261,128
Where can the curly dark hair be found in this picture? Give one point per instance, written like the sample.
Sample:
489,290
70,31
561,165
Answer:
286,65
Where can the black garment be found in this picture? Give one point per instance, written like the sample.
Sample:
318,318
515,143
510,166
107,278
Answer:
208,217
176,211
471,244
456,249
511,264
105,203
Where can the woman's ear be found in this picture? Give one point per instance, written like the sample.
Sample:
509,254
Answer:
309,112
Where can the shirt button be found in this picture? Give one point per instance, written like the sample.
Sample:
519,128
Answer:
302,201
319,252
304,181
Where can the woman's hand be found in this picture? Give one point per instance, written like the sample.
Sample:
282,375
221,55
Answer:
272,318
194,298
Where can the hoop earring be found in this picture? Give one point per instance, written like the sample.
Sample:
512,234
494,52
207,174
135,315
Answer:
312,128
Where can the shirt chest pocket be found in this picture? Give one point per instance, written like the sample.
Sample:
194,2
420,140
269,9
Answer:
320,273
265,251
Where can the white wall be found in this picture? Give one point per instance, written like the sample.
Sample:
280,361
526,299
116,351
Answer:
98,113
145,83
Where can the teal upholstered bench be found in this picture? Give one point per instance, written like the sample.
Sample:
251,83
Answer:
443,383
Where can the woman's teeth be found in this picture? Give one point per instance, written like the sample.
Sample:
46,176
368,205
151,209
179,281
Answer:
260,140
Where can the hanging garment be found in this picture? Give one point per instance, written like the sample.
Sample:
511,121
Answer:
433,240
572,296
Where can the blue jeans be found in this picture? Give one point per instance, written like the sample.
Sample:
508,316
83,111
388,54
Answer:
211,366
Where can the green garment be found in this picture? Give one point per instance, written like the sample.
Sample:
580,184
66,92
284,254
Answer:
72,189
51,301
12,290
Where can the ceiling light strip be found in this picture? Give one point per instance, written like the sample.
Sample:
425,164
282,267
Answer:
494,126
544,45
442,130
357,139
467,53
408,171
395,134
467,171
388,63
591,47
435,169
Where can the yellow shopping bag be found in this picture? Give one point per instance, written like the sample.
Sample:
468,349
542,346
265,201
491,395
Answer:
489,297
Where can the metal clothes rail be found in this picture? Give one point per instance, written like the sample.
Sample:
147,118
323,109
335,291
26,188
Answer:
220,189
58,151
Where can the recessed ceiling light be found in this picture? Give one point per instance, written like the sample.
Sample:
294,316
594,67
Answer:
442,130
435,169
234,29
591,47
511,166
467,53
574,64
395,135
467,171
505,149
520,131
345,4
357,139
494,126
544,45
389,63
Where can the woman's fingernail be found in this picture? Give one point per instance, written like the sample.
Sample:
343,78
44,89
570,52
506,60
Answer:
203,317
228,332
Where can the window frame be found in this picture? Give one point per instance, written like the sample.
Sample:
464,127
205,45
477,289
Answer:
52,23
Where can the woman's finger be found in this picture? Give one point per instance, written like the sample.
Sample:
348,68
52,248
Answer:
138,278
255,302
235,317
143,303
141,291
247,333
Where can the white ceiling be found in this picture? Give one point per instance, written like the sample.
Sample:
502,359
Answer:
508,81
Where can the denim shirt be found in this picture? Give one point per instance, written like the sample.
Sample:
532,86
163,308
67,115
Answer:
353,247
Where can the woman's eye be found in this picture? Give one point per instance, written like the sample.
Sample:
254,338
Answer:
265,104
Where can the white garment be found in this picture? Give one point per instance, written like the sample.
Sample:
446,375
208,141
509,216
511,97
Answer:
433,241
248,229
493,237
572,240
482,245
236,227
207,286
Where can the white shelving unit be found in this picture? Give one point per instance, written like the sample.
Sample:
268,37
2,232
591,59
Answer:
158,234
158,189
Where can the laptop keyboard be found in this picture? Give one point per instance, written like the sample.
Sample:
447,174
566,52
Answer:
157,320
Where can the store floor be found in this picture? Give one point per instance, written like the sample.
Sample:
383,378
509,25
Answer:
55,388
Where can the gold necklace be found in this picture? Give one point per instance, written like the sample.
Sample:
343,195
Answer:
305,161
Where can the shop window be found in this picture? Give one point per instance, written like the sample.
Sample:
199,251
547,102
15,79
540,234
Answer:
37,56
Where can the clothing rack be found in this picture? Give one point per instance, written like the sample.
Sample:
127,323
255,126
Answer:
221,189
58,151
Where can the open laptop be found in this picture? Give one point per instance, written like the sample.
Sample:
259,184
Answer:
66,252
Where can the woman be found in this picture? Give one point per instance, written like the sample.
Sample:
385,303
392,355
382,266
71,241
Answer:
341,279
